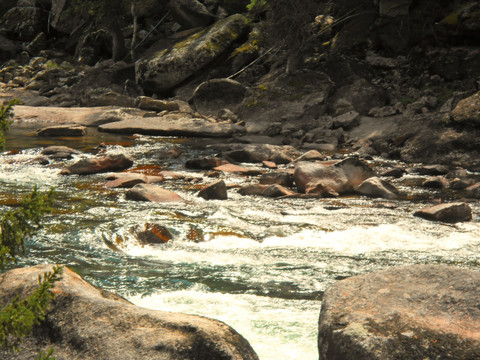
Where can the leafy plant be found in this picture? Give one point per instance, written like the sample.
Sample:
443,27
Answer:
6,113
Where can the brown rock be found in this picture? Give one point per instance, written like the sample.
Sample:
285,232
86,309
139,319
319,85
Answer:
275,190
281,178
235,169
86,323
318,188
252,189
147,103
100,165
125,180
395,172
152,193
450,212
377,187
151,233
311,155
62,130
467,111
436,182
204,163
215,191
269,164
409,313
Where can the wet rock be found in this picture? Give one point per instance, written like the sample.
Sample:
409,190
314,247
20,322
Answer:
256,153
59,152
467,111
450,212
151,233
85,322
275,190
152,193
100,165
167,68
62,130
125,180
235,169
436,182
342,177
204,163
311,155
173,124
191,13
431,170
461,184
280,177
473,191
395,172
412,312
147,103
252,189
269,164
321,189
214,95
215,191
25,22
377,187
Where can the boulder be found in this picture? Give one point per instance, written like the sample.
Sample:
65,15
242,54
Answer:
151,233
256,153
395,172
431,170
85,322
63,19
215,191
359,96
449,212
125,180
311,155
100,165
409,313
152,193
8,48
321,189
235,169
62,130
436,182
204,163
393,8
25,22
377,187
212,96
467,111
59,152
252,189
275,190
168,68
473,191
173,124
346,121
191,13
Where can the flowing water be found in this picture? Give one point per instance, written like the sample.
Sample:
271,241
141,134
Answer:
263,265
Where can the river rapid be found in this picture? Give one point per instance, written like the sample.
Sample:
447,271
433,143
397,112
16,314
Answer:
264,263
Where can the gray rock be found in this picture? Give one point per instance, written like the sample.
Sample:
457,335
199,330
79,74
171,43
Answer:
467,111
358,96
409,313
25,22
214,95
450,212
191,13
346,121
169,67
377,187
85,322
59,152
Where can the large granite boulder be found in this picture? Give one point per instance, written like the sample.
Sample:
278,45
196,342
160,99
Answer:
409,313
25,22
167,68
342,177
88,323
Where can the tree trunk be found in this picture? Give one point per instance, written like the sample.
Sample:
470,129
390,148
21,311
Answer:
118,45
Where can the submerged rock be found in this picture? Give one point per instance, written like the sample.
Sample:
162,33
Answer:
62,130
451,212
409,313
100,165
88,323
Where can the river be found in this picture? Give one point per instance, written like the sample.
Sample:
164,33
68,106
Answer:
264,264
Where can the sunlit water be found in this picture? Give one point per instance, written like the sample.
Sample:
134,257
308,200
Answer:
264,263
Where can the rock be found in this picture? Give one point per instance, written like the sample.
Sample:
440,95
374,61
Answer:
346,121
59,152
342,177
63,19
85,322
172,124
377,187
409,313
461,184
214,95
8,48
311,155
168,68
269,164
147,103
191,13
151,233
100,165
281,178
436,182
321,189
467,111
395,172
256,153
105,97
152,193
393,8
450,213
204,163
25,22
473,191
215,191
62,130
360,96
235,169
125,180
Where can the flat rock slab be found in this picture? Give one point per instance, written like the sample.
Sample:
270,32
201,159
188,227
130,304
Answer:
173,124
88,323
409,313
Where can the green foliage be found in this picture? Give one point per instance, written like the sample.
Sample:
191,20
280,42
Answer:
18,318
16,225
257,5
46,356
6,113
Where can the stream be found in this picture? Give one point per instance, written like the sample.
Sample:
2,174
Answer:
264,263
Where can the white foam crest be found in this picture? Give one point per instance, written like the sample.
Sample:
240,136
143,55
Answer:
289,324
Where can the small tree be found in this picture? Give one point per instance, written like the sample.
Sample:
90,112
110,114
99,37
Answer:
18,317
